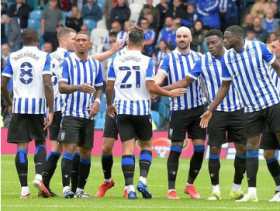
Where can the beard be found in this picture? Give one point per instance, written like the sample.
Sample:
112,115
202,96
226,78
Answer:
183,47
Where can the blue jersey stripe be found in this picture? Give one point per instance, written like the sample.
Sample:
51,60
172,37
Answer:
183,75
131,108
176,77
33,105
26,106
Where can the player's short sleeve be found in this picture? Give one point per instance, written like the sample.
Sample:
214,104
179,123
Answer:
268,56
99,79
196,71
47,67
64,76
225,73
150,74
164,66
8,71
111,72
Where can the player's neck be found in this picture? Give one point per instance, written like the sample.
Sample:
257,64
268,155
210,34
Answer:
239,46
82,56
185,51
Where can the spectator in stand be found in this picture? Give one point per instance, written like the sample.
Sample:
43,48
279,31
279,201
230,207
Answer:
248,22
189,17
121,13
14,35
64,5
48,47
85,29
167,31
271,38
127,25
107,47
5,51
152,22
108,6
198,35
92,11
75,20
176,11
269,23
4,17
260,8
79,3
274,7
261,34
251,35
229,13
162,9
149,38
208,13
50,18
121,35
21,11
152,10
160,52
54,40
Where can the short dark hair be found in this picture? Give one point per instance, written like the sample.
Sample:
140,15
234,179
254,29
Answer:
112,34
235,29
30,36
136,36
83,32
213,32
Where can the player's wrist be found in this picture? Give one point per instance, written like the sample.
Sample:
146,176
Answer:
97,100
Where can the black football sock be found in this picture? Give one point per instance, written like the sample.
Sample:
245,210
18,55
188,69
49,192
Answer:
22,166
196,163
172,165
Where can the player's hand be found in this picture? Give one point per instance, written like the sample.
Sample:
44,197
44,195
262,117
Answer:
87,88
48,120
177,92
94,109
117,46
153,96
111,110
10,110
205,118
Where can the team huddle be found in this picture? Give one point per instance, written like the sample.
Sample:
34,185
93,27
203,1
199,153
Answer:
62,92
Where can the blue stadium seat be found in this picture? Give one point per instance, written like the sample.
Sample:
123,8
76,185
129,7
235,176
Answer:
36,14
156,118
90,24
101,7
97,117
99,124
64,15
36,24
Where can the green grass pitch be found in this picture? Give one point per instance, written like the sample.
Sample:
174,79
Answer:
157,182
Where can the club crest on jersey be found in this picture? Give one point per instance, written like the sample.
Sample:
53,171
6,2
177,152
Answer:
252,52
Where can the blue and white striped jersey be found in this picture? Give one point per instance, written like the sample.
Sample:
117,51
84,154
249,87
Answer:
26,67
57,58
76,72
176,66
120,36
210,68
250,73
130,72
275,78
